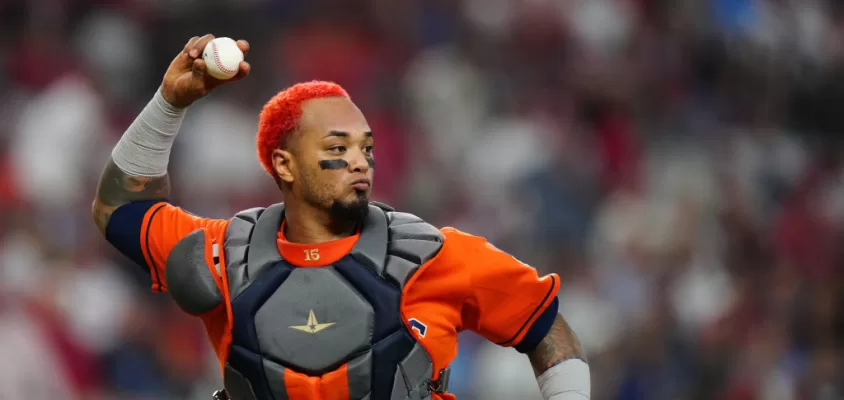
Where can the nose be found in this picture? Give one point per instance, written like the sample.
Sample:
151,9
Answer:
359,162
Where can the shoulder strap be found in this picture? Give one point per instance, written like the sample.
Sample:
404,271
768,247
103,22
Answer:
236,245
263,247
371,248
250,244
412,243
395,244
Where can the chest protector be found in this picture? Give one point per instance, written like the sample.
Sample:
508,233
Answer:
339,319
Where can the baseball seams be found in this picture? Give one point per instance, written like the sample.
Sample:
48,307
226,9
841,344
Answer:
218,62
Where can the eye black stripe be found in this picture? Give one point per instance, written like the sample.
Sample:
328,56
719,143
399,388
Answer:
333,164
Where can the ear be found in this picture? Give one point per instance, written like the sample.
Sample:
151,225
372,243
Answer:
284,165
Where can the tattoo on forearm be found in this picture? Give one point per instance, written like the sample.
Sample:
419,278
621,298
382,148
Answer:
559,345
117,188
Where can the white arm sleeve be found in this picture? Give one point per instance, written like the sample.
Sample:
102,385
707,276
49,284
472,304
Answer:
144,150
568,380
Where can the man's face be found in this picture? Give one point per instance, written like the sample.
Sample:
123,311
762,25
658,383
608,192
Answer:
331,164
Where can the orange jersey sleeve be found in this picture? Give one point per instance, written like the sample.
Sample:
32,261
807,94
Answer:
471,285
147,231
505,297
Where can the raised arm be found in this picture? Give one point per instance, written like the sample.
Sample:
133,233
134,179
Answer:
117,188
131,207
137,169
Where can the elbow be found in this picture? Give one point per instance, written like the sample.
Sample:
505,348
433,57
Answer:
101,214
559,345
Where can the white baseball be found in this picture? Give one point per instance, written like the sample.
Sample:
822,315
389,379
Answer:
222,58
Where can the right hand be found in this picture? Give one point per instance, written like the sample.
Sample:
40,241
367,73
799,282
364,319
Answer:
186,80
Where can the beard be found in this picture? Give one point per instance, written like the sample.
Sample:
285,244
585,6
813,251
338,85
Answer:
348,213
345,213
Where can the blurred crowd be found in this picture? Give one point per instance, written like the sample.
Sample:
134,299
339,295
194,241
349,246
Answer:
677,162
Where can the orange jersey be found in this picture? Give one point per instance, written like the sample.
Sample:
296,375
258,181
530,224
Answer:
468,285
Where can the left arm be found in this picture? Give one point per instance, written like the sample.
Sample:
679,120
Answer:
509,304
560,364
558,346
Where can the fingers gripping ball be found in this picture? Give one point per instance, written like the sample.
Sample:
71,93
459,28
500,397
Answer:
222,58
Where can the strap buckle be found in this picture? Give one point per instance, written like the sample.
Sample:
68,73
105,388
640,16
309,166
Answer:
221,395
440,385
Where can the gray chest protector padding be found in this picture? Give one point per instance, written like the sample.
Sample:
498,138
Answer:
392,244
189,280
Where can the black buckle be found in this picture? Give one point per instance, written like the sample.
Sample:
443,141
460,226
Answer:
441,384
221,395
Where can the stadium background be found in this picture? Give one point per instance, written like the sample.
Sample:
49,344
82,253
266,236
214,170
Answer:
676,162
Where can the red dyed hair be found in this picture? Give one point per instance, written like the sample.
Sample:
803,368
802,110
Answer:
281,115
